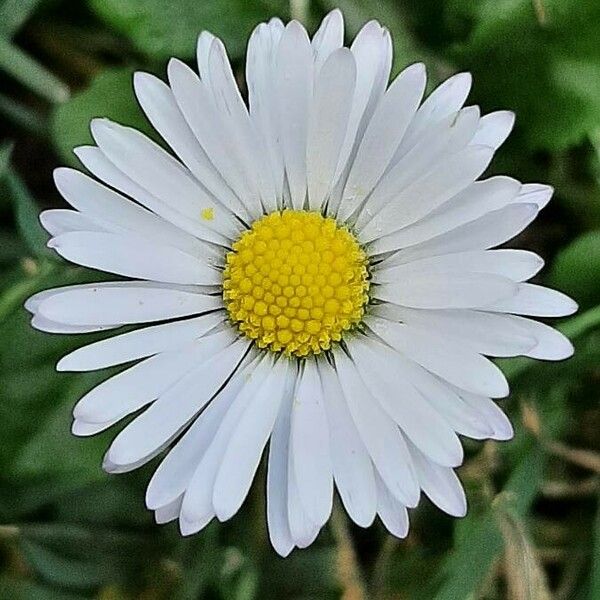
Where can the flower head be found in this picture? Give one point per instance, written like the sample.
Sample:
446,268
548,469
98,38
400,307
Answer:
319,272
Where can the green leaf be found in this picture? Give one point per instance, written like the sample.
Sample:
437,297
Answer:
14,295
392,15
164,29
30,73
595,571
546,68
109,95
5,153
479,541
83,557
14,13
576,269
27,216
54,450
20,589
22,116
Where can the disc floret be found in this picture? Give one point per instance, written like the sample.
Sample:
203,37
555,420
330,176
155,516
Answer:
295,282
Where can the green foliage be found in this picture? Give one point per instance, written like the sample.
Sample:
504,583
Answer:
27,215
577,269
70,532
544,63
30,73
14,13
392,15
110,95
164,29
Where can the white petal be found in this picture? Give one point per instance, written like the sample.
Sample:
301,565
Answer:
197,508
251,156
446,99
168,513
494,128
175,472
420,422
452,362
302,529
247,442
473,202
98,164
382,136
139,385
59,220
441,395
494,416
328,38
260,77
551,344
159,423
446,138
352,467
535,193
486,333
441,484
294,83
328,122
116,468
490,230
133,256
393,513
379,434
448,178
447,290
159,104
277,482
138,344
113,212
309,446
372,50
153,169
120,303
205,41
40,323
82,428
536,301
517,265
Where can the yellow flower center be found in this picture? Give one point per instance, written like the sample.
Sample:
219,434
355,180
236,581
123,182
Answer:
295,281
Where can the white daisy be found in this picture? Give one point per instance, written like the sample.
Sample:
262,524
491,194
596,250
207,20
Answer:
320,266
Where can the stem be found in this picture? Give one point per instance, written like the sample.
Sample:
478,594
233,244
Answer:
299,10
8,532
382,564
348,569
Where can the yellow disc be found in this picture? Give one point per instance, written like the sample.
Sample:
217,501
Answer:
295,281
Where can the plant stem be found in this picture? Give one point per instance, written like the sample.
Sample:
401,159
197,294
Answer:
299,10
348,569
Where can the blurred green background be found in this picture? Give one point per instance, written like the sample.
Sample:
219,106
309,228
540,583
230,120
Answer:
68,531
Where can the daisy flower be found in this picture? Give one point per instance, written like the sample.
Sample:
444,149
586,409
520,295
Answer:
318,270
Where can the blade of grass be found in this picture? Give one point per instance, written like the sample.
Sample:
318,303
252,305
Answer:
14,296
22,116
5,153
27,215
31,74
595,571
471,561
14,14
525,577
